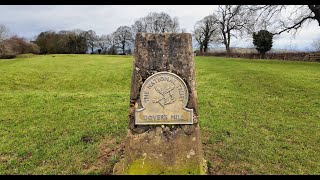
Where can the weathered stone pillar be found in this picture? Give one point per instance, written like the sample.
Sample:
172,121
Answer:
164,134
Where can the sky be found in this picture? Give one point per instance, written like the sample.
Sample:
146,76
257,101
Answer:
29,20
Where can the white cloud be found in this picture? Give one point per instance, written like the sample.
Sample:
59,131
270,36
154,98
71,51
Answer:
28,21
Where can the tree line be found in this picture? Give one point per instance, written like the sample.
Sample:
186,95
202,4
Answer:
260,22
118,42
11,46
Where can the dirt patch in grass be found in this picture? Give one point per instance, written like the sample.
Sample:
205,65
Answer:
110,153
214,162
214,166
4,158
26,156
218,165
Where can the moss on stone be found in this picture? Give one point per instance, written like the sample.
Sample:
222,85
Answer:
146,167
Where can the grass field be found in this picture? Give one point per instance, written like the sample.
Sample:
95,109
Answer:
67,114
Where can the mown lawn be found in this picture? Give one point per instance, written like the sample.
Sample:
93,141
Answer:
64,114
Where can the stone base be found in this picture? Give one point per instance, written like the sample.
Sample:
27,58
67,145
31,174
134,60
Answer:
163,150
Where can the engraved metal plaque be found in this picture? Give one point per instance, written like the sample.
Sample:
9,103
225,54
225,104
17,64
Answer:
164,97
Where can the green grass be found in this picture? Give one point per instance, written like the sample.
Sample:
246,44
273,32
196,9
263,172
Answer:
256,116
260,117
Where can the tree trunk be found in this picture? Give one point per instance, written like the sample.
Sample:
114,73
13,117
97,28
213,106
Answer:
123,48
228,50
227,44
205,49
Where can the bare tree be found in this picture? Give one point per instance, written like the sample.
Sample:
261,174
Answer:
112,44
102,43
199,37
287,18
124,37
234,19
175,26
78,42
91,39
139,26
156,23
205,32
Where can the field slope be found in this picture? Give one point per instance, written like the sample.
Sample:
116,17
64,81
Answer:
67,114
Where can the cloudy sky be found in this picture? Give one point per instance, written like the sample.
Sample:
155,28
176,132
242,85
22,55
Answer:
28,21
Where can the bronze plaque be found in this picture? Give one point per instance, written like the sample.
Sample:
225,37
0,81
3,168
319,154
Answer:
164,97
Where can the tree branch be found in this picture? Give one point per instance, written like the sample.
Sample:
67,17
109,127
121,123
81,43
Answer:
295,26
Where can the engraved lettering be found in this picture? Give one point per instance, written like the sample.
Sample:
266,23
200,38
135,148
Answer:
164,97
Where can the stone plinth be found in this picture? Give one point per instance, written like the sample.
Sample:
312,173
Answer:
163,148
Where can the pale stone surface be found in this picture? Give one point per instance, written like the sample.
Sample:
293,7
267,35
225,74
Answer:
162,149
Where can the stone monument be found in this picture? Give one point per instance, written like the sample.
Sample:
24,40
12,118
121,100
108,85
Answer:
164,134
